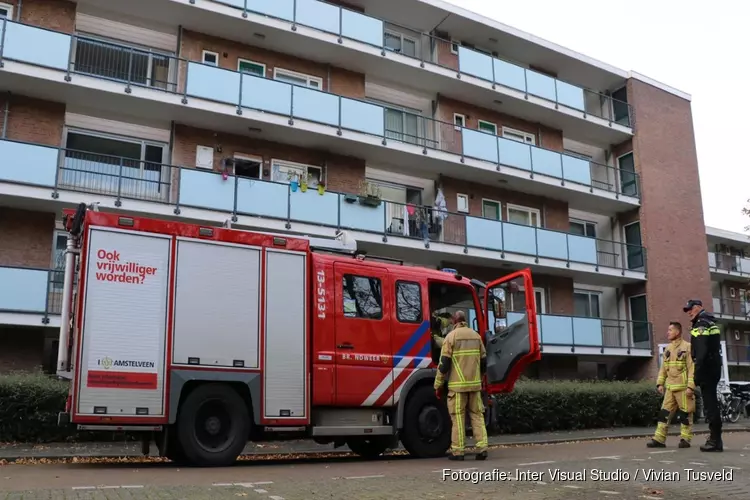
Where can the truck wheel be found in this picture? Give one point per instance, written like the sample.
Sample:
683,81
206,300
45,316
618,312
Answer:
427,424
213,425
368,447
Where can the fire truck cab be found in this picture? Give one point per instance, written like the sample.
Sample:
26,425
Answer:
206,337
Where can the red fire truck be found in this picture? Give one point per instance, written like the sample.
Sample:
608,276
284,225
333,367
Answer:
206,337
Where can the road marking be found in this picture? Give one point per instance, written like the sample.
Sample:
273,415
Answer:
257,483
697,463
222,484
666,461
658,452
274,497
612,457
639,459
536,463
733,468
540,482
606,492
84,487
259,490
572,487
365,477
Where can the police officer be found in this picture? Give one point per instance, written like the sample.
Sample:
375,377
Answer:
675,382
463,360
706,352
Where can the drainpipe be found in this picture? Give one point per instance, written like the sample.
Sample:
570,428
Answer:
328,83
18,14
171,142
5,116
539,133
179,41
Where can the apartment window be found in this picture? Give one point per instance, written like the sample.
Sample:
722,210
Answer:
408,302
519,136
462,203
253,68
250,167
284,172
363,297
583,228
491,209
6,11
397,42
284,75
127,63
488,127
620,106
103,163
628,178
586,304
60,243
459,121
210,58
402,124
454,46
518,300
524,215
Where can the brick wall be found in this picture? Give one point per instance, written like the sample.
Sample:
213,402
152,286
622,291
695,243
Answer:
21,349
342,173
545,137
33,120
58,15
343,82
26,238
671,222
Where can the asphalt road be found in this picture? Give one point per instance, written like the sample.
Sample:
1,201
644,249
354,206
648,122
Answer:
609,469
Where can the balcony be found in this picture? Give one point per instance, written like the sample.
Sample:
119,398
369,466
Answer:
738,354
728,265
30,297
149,188
230,101
330,34
732,309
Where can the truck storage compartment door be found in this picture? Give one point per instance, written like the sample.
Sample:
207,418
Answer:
124,331
512,338
216,304
285,358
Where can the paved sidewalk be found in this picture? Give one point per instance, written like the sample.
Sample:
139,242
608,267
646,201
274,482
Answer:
14,451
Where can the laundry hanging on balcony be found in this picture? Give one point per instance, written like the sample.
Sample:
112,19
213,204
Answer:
440,213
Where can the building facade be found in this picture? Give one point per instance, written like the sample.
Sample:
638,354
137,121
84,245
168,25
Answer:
431,134
729,264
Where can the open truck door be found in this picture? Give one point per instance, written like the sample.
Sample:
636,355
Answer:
511,339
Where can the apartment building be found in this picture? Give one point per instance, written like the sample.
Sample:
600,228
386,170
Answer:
431,134
729,264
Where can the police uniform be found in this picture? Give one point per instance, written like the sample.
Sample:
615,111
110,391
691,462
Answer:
706,352
463,361
676,376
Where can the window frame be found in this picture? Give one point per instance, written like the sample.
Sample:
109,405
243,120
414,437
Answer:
521,208
460,196
122,138
8,7
499,209
421,303
343,302
528,138
57,271
537,290
254,63
294,165
248,157
402,37
483,122
584,223
207,52
301,76
455,44
463,121
589,294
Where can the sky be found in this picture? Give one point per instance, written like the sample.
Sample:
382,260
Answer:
701,48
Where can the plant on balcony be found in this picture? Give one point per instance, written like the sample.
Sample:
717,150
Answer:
321,188
293,179
369,194
304,182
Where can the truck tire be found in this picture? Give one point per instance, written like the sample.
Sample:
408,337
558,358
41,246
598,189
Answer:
427,425
371,447
213,426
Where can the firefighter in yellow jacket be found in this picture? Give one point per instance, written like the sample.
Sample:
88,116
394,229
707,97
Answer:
463,361
675,381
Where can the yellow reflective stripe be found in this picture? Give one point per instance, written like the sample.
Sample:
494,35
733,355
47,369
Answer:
460,422
712,330
470,383
457,367
467,352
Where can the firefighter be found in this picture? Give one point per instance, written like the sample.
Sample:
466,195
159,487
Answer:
706,351
463,361
675,382
441,326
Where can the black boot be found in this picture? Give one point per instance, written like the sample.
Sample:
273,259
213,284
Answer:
683,444
482,455
713,445
655,444
459,458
